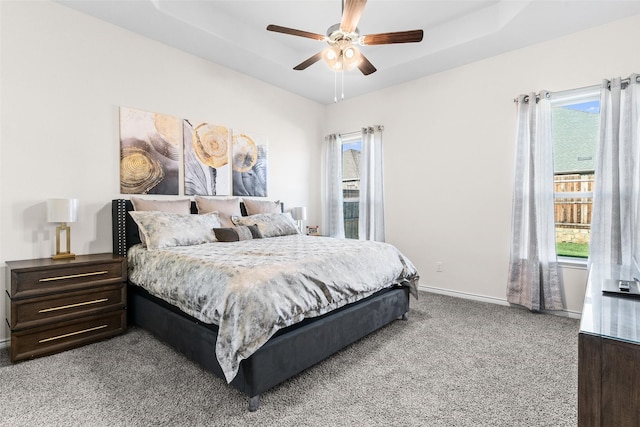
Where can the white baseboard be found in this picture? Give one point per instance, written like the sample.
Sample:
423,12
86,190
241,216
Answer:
475,297
4,343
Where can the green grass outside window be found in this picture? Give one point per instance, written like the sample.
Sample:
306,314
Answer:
578,250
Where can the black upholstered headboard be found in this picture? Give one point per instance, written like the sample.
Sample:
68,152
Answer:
125,230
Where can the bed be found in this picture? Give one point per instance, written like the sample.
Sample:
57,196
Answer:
294,345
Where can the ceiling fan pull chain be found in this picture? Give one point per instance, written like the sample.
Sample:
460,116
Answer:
335,86
342,75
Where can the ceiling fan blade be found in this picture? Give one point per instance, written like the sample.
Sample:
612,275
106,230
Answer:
294,32
351,15
304,64
412,36
365,66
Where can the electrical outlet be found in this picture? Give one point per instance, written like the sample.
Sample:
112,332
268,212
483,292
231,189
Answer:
439,267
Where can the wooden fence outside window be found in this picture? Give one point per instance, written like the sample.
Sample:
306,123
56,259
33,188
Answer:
573,214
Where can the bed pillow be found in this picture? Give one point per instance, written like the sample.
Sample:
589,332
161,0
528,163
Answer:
238,233
166,229
254,207
181,206
270,224
226,208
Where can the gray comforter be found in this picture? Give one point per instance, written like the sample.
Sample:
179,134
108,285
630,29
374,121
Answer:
253,288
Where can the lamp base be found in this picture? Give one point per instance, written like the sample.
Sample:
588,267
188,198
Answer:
63,227
64,256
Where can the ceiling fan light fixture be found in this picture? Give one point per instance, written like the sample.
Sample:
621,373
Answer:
332,57
349,53
350,57
342,54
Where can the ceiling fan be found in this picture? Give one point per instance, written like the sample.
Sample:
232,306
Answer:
341,54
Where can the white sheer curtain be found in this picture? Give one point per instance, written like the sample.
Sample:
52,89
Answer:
371,209
333,201
615,220
534,281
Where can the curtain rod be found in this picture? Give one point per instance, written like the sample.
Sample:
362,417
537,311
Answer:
359,132
349,134
526,97
624,83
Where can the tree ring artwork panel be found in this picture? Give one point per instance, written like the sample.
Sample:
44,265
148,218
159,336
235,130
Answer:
249,162
207,159
149,152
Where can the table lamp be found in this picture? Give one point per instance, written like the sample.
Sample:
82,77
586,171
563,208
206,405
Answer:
299,214
62,211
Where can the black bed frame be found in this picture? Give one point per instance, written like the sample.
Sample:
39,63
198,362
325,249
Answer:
286,354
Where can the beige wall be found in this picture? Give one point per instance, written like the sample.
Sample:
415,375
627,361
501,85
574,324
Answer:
63,77
449,153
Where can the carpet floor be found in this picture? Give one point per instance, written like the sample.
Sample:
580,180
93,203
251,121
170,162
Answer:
455,362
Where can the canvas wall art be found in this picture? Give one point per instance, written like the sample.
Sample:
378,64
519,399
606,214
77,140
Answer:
149,152
249,165
207,158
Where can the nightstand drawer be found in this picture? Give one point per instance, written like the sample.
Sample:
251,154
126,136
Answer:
65,277
37,311
65,335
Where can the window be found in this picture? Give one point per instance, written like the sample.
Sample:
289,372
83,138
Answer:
351,150
575,126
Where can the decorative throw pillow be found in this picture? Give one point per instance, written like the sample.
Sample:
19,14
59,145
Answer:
255,207
181,206
270,224
226,208
165,229
235,234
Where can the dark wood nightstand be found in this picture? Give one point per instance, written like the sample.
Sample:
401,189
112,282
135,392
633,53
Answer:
55,305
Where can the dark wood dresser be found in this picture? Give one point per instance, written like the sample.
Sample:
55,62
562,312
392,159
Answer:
55,305
609,354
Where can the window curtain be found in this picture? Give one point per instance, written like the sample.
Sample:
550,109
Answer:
615,219
371,207
333,200
534,281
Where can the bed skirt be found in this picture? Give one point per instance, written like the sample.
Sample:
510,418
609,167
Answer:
286,354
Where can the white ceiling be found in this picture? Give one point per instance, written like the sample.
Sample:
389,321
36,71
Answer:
233,33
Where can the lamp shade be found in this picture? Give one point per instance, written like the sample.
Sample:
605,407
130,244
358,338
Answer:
350,57
299,213
331,56
62,210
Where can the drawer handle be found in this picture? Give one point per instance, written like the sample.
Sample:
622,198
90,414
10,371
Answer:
80,304
73,276
72,334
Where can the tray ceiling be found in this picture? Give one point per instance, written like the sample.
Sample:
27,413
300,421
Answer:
233,33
